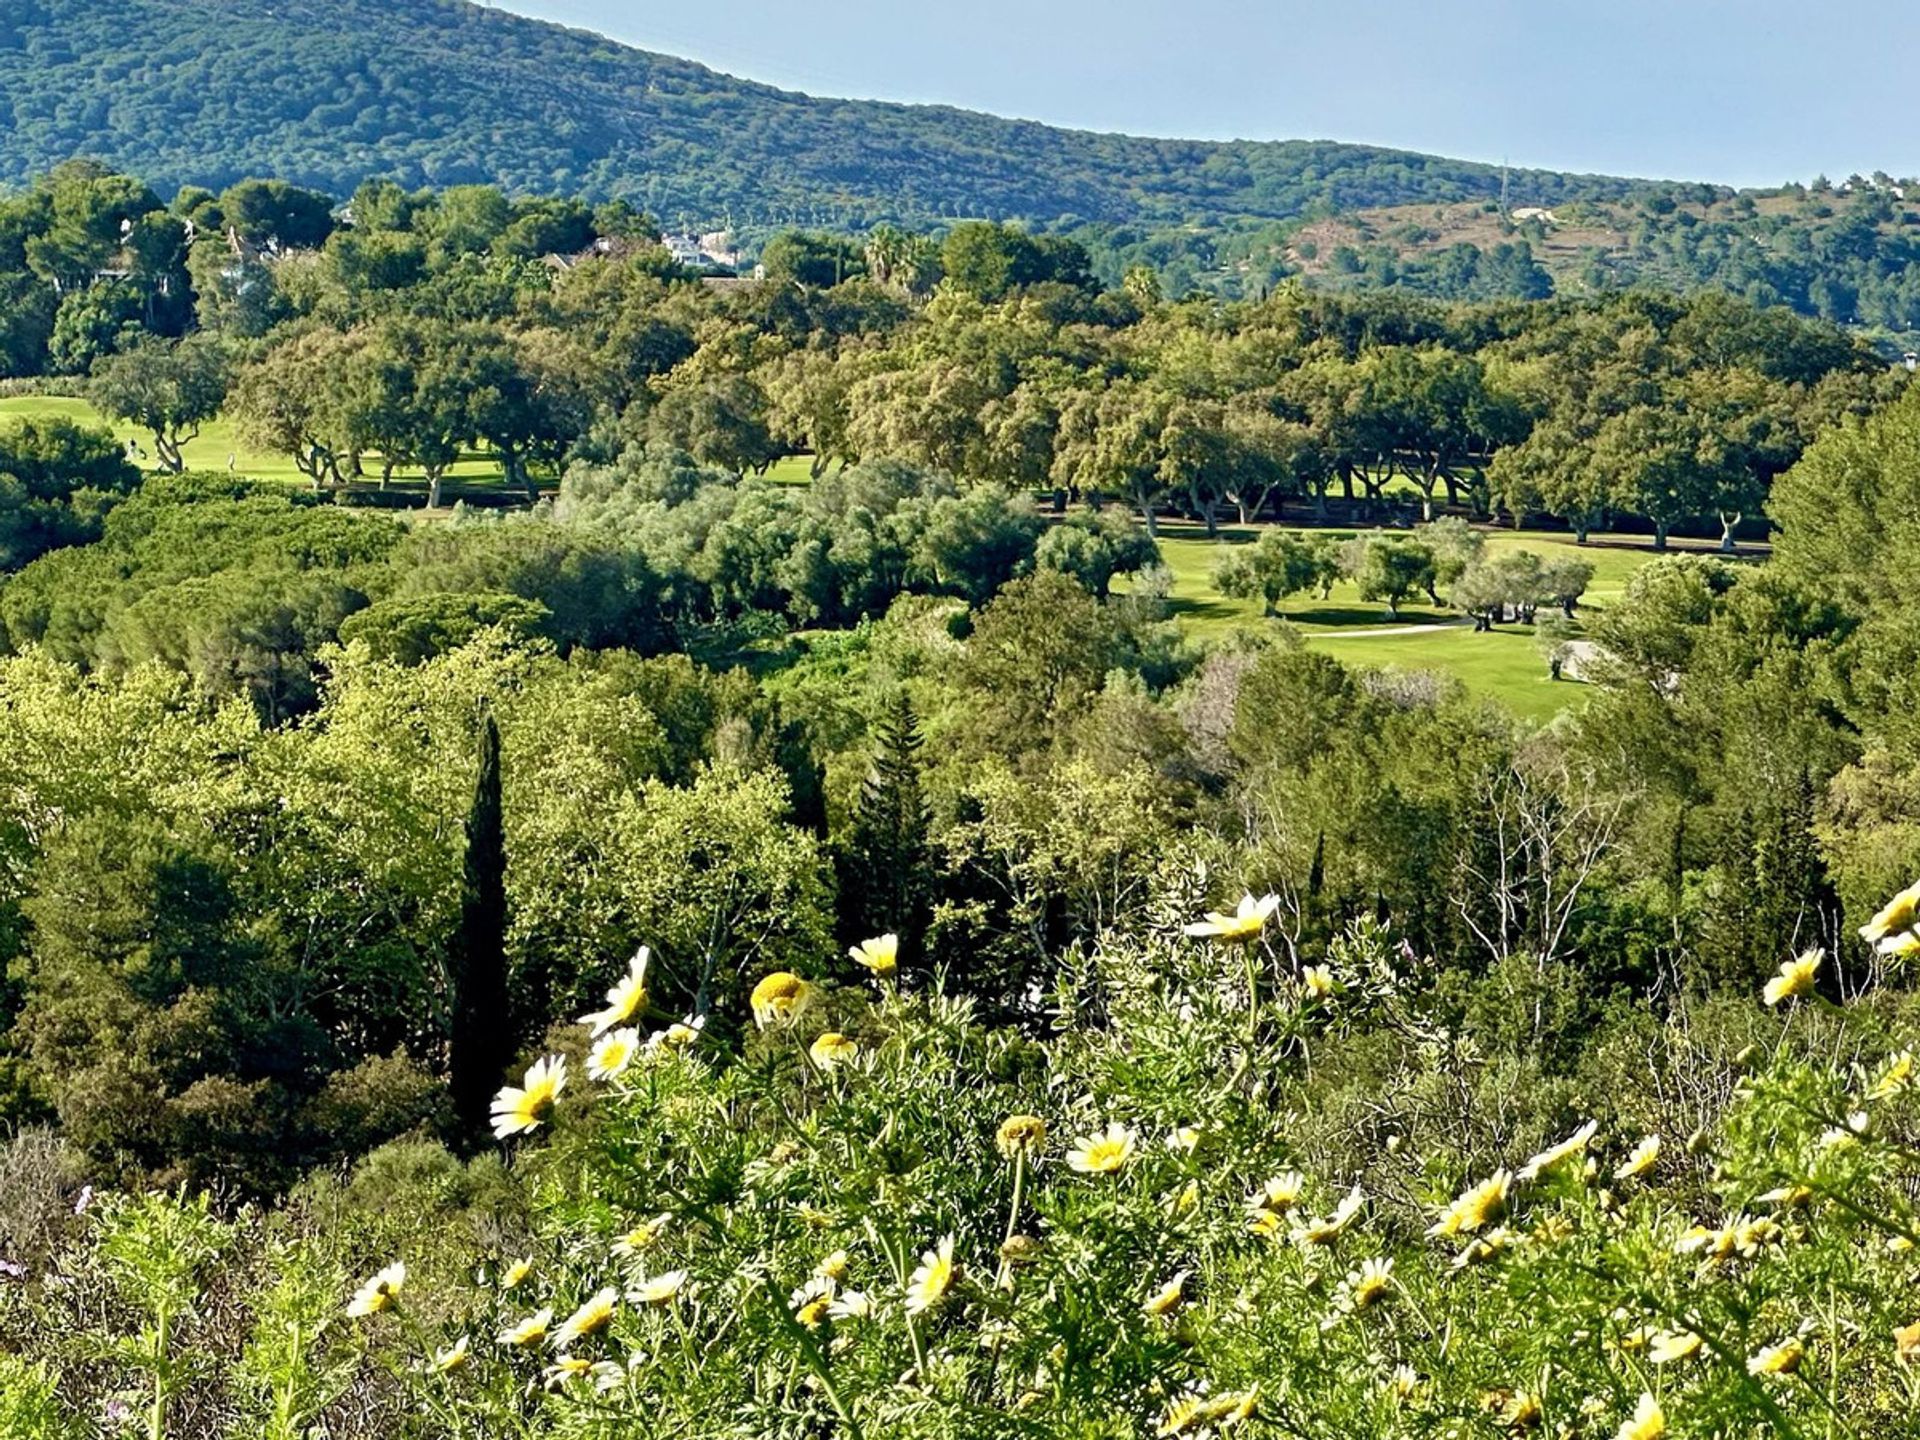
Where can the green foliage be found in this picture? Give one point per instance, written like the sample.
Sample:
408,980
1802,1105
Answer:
30,1407
1389,568
58,480
296,1360
156,1251
431,94
1274,567
168,389
1095,549
414,628
790,658
885,864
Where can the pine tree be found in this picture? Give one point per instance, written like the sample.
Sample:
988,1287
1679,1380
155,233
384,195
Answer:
885,865
482,1040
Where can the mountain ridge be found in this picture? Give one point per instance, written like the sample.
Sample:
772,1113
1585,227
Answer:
445,92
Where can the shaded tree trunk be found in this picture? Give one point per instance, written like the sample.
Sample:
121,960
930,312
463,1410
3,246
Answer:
1145,499
167,449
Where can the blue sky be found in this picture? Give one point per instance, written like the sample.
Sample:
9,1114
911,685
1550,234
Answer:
1743,93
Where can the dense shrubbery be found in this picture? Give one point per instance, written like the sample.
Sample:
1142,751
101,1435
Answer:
1225,1192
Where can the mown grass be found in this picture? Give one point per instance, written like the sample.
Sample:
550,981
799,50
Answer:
218,447
1505,665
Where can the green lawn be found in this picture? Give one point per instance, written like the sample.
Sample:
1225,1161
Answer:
1503,665
1506,665
216,445
791,470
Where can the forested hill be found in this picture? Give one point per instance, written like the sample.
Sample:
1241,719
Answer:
442,92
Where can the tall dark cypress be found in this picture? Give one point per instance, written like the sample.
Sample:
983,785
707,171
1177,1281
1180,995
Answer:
482,1040
885,865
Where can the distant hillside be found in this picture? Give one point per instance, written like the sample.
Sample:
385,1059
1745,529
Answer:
1848,253
442,92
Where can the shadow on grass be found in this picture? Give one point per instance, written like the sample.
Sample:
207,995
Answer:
1206,610
1369,618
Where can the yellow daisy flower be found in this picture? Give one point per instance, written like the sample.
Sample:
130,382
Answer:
1901,947
1317,981
1899,913
518,1109
612,1054
1102,1152
1649,1421
1520,1412
1020,1135
1247,921
1329,1228
834,1267
1670,1345
662,1289
640,1238
380,1292
530,1331
851,1305
1896,1078
565,1369
1366,1287
453,1358
1644,1157
1795,977
595,1315
1183,1414
1234,1409
1490,1246
1743,1236
881,954
1479,1206
1781,1359
831,1049
933,1279
1556,1155
1167,1298
624,1001
813,1301
1281,1193
680,1035
780,999
1266,1222
515,1274
1906,1343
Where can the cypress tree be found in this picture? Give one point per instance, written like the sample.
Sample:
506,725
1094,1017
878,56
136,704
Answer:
885,866
482,1040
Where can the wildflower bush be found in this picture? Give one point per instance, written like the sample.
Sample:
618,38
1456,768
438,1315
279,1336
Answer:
1217,1193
